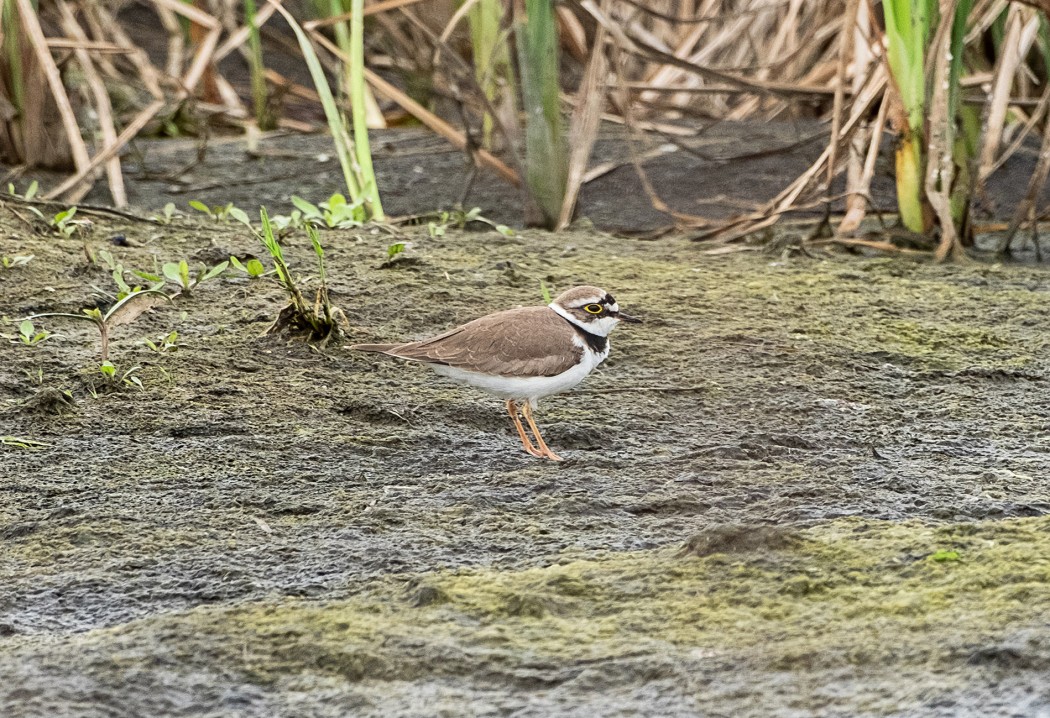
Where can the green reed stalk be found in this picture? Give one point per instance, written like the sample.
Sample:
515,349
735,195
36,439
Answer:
359,109
260,97
546,157
355,158
908,36
491,56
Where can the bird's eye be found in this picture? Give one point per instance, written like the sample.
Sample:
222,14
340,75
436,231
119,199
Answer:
594,308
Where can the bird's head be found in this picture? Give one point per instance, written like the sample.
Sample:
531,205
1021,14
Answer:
591,309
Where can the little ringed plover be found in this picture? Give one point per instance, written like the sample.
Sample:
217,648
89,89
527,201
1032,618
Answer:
521,355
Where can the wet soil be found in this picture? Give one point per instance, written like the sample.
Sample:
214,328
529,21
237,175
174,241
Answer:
804,486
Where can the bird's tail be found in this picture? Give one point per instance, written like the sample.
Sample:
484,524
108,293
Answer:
373,347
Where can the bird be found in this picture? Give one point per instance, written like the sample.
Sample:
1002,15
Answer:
523,355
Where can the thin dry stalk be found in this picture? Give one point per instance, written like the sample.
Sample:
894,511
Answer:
940,170
38,43
859,188
1026,207
129,132
583,130
1022,26
102,105
859,171
203,58
457,138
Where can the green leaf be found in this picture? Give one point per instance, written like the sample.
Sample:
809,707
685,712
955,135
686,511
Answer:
147,276
200,206
240,215
308,210
255,268
26,328
944,556
214,271
31,192
395,249
171,271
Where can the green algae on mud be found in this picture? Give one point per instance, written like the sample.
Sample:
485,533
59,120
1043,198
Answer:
875,597
267,529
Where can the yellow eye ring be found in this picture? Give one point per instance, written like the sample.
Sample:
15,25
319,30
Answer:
594,308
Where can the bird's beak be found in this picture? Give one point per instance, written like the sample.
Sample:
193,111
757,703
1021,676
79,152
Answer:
623,316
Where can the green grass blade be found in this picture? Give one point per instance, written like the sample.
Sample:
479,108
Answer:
367,177
328,103
260,97
546,158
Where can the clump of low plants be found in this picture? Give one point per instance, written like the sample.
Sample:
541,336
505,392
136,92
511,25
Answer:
221,212
320,319
28,334
64,222
178,273
168,343
460,218
115,378
251,267
167,216
335,212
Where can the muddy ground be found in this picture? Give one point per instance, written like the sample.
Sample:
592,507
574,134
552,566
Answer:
804,486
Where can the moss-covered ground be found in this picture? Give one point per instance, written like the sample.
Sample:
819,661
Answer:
804,486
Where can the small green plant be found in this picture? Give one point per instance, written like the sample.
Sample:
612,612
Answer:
19,260
944,556
30,192
293,221
253,267
546,292
164,344
396,249
114,377
321,319
65,224
221,212
117,270
167,216
123,311
460,218
28,334
178,273
335,212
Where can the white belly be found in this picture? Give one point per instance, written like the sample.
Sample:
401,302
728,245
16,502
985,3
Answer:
521,388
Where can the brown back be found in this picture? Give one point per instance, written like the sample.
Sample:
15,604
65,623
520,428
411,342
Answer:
532,341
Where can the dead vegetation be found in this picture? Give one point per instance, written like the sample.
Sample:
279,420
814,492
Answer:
666,69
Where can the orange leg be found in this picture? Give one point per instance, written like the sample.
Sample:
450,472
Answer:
512,409
526,411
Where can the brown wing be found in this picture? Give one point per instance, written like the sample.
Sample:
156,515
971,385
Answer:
533,341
